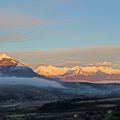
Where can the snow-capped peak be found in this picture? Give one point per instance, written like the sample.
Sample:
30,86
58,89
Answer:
11,67
6,60
3,55
81,74
56,71
51,71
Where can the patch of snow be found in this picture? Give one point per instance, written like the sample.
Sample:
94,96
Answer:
3,55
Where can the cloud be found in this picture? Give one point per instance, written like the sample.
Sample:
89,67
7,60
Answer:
40,82
10,19
104,63
12,38
81,56
13,20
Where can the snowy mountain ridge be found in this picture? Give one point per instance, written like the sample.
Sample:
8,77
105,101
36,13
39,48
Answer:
77,73
10,67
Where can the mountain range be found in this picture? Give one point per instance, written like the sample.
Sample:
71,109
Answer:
13,72
63,81
10,67
96,74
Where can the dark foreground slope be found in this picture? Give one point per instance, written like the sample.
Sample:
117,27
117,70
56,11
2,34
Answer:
75,109
26,93
23,102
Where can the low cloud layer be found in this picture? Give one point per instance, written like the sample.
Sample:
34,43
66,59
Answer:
40,82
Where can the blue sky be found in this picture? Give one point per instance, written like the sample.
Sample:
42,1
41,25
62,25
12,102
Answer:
66,24
27,26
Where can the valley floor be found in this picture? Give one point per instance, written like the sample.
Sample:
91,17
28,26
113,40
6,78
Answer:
75,109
